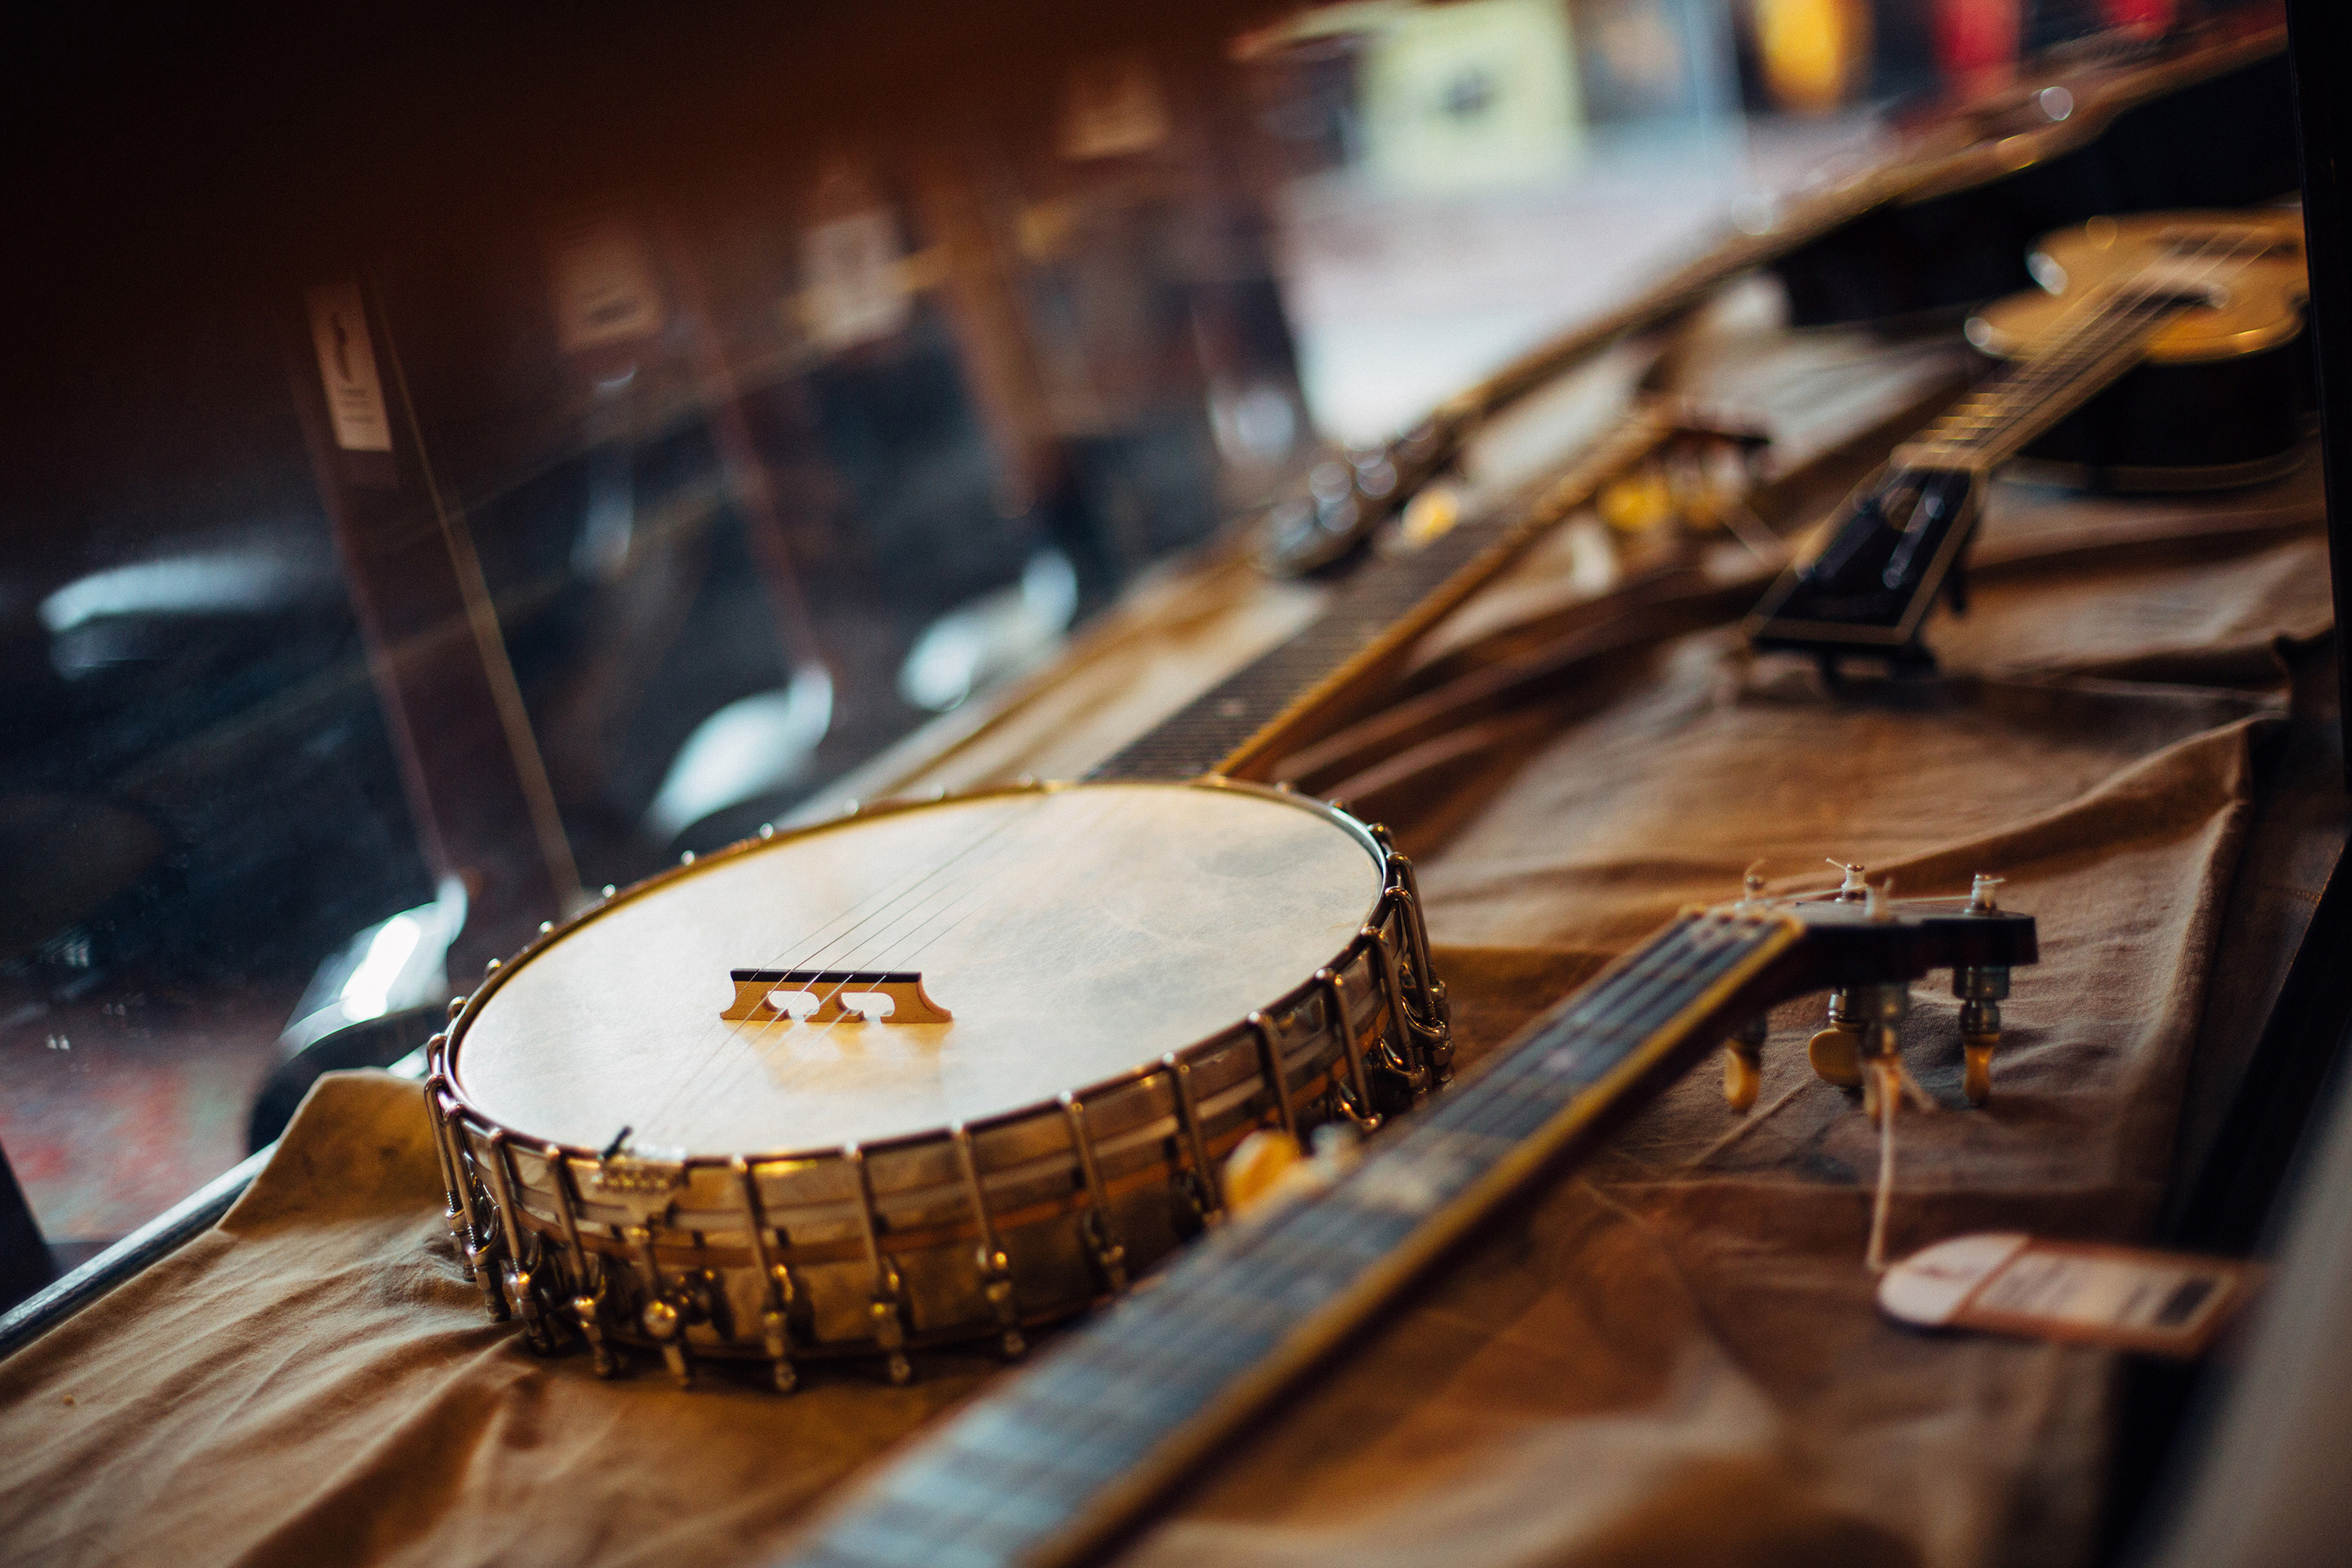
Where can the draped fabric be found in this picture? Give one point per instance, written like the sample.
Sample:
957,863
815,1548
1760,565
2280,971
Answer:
1671,1357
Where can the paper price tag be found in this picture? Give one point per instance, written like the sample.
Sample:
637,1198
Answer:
2165,1303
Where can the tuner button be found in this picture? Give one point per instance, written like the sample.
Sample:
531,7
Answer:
1976,1079
1836,1056
1743,1061
1741,1079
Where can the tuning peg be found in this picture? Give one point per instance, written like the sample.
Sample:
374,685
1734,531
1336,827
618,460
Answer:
1743,1062
1879,1010
1836,1051
1856,886
1981,990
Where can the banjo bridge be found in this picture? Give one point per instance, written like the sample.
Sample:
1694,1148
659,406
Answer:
828,995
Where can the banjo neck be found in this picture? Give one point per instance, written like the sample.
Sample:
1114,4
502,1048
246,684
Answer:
1286,695
1051,1467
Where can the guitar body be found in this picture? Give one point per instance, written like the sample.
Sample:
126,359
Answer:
2206,305
2223,136
2222,391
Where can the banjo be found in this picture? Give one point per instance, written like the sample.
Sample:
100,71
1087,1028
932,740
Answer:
942,1071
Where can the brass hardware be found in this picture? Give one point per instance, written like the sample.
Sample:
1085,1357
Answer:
1981,990
588,1280
1208,1195
886,1307
1836,1051
517,1278
1361,1111
666,1313
1102,1233
995,1265
1743,1062
477,1241
775,1281
838,994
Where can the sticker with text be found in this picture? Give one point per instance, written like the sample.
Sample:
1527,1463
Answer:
2123,1298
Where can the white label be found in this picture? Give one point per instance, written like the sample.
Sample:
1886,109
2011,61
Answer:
2134,1294
347,368
2126,1298
855,291
604,285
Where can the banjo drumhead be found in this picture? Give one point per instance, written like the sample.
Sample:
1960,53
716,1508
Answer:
1072,934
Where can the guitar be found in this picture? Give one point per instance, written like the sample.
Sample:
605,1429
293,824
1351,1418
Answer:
2065,104
1049,1466
2160,350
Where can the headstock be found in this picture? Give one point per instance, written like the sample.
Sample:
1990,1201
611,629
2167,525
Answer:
1865,948
1896,545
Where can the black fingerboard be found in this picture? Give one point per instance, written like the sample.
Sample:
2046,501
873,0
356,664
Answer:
1380,609
1048,1466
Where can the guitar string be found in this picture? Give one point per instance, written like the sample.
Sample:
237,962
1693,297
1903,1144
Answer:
2103,325
2043,372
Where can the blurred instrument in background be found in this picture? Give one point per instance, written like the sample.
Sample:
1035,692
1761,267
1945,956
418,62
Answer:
2064,105
2161,352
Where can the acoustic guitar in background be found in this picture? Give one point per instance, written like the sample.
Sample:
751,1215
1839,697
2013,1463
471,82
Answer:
2164,351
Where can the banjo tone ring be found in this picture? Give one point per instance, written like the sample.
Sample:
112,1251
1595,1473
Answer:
970,1230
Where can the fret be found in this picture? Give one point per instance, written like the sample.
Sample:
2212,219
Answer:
1013,1471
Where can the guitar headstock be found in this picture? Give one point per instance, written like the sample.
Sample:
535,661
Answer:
1895,545
1347,502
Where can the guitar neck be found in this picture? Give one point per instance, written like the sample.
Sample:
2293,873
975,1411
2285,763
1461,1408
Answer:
1997,421
1277,701
1051,1465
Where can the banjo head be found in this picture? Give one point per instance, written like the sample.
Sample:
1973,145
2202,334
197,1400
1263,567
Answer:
1074,934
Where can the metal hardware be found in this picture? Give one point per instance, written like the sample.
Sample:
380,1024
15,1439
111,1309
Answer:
1743,1061
1836,1051
888,1307
775,1281
453,1212
1270,1062
836,992
477,1241
1102,1234
1981,990
1336,999
517,1278
995,1265
1881,1012
1411,1061
665,1313
589,1280
1208,1193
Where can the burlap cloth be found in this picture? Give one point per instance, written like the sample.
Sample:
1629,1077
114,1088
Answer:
1671,1357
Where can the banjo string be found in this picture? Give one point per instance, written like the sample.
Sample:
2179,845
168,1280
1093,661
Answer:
935,895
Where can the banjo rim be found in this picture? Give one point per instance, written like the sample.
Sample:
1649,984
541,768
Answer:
442,1052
